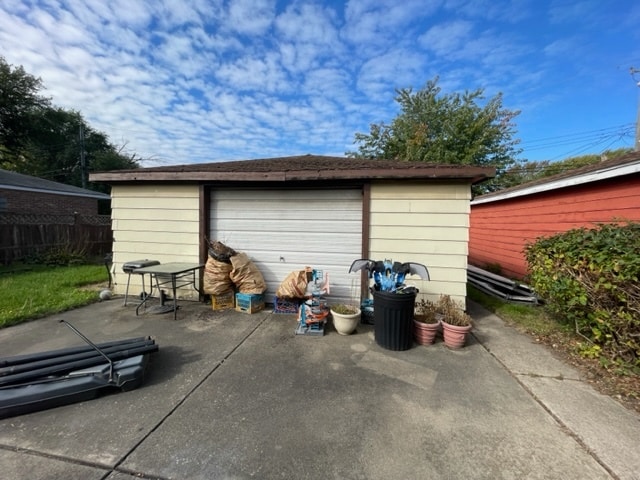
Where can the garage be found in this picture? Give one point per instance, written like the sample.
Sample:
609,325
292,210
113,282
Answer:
287,229
290,212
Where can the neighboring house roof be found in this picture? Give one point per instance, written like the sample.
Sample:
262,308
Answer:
616,167
26,183
298,168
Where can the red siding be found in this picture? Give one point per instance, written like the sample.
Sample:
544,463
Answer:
499,230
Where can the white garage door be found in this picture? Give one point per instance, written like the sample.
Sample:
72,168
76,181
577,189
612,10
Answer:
286,230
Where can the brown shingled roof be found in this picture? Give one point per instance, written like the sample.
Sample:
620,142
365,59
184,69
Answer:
298,168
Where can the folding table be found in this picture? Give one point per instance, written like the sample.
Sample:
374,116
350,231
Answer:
176,274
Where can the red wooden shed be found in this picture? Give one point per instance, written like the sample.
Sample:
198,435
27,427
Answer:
502,223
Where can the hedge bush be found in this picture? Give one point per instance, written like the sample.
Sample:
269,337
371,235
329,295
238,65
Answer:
589,277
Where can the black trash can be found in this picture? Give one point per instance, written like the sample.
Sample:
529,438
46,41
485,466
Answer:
393,319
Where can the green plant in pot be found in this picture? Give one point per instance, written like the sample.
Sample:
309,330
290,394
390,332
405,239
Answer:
345,318
426,322
456,323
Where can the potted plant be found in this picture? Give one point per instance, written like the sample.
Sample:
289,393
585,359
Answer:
455,322
345,318
426,322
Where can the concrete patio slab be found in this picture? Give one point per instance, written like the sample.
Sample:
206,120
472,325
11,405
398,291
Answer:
232,395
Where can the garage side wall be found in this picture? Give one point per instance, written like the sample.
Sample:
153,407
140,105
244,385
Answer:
158,222
423,223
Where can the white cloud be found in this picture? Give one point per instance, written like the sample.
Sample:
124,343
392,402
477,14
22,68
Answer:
251,17
183,82
510,11
261,74
564,12
332,83
308,23
374,24
394,69
446,38
170,13
130,14
561,47
308,38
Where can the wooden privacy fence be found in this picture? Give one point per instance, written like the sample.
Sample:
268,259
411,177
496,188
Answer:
22,235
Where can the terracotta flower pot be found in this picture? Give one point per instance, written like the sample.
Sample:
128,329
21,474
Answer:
454,336
425,333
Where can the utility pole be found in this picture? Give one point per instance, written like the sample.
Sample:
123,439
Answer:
83,159
633,72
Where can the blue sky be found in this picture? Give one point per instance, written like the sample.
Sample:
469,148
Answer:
188,81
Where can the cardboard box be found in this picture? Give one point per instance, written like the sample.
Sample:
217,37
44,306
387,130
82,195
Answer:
249,302
223,301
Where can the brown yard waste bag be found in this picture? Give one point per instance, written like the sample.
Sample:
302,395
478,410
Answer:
220,251
217,279
246,276
294,286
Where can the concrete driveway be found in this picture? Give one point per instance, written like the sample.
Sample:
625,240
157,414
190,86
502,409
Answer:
237,396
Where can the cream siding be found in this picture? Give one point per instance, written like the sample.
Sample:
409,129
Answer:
423,223
409,222
159,222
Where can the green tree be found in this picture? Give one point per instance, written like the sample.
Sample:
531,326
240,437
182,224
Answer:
39,139
535,170
53,150
19,101
445,128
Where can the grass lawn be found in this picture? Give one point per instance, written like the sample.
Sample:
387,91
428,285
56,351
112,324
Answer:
30,292
529,318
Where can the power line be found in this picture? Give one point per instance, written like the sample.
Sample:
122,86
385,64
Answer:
582,142
578,137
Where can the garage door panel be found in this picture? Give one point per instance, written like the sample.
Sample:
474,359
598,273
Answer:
276,226
297,261
287,213
284,231
287,243
296,196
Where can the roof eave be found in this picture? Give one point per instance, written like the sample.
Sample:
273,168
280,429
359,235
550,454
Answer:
594,176
96,195
470,174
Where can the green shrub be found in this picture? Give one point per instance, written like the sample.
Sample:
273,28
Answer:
589,277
